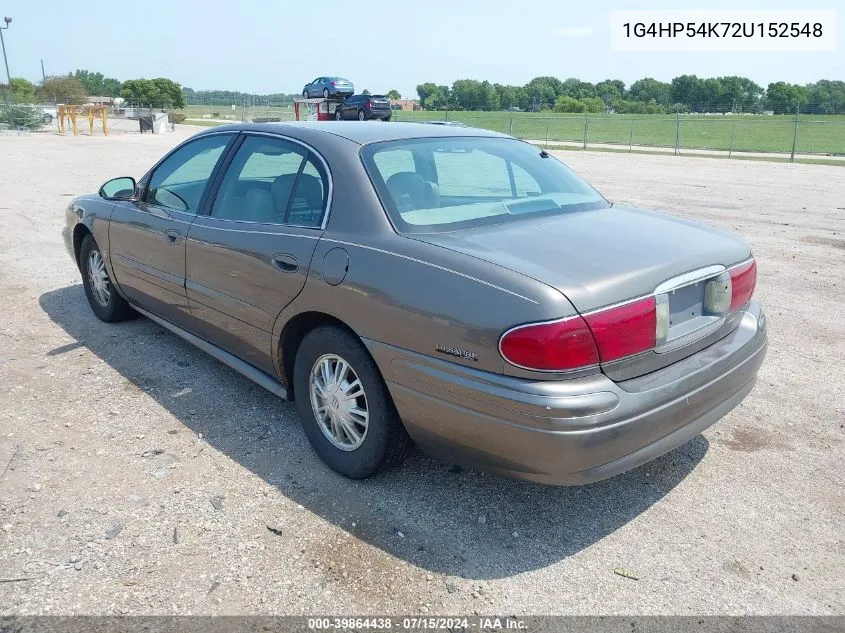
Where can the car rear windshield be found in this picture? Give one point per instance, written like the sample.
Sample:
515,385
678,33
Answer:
442,184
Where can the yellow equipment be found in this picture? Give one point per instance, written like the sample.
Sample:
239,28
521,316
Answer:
70,112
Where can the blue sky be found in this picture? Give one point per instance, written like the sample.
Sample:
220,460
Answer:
265,47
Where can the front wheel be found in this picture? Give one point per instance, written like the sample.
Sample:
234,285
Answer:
344,405
102,295
325,93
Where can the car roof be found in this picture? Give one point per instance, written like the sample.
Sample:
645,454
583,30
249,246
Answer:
357,131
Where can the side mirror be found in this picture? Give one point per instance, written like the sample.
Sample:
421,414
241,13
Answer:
118,188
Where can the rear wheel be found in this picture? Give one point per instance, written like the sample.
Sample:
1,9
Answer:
325,93
304,94
337,115
361,115
102,295
344,405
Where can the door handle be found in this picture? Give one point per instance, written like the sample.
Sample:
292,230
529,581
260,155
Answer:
174,237
286,263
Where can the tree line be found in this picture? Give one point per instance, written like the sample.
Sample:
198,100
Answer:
77,86
687,93
233,97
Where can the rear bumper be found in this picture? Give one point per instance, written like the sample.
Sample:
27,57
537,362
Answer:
570,431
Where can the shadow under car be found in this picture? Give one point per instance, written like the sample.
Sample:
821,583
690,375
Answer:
452,520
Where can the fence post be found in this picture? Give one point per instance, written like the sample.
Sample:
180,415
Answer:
733,133
794,136
447,114
547,132
585,129
631,138
510,126
677,131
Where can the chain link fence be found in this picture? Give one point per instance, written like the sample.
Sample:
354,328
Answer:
804,135
124,117
251,108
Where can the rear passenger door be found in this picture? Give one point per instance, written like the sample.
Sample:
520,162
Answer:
249,256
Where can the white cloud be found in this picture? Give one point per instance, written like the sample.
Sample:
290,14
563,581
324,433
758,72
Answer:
573,32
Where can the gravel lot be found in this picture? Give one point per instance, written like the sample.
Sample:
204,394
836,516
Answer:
138,475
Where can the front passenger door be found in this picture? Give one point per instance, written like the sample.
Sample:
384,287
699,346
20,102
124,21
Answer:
147,235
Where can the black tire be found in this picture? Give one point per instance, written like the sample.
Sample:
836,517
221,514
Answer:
325,93
386,443
111,311
362,116
338,115
387,120
304,94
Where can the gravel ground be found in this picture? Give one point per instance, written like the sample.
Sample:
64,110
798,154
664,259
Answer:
138,475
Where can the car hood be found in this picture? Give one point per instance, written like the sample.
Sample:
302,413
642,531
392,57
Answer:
600,257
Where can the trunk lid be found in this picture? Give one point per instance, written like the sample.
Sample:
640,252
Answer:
601,257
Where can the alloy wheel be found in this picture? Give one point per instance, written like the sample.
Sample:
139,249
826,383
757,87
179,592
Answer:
99,278
339,402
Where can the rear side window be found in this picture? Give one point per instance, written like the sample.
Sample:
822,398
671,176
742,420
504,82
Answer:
273,181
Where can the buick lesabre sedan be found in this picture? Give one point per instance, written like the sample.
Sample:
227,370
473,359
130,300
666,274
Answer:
449,287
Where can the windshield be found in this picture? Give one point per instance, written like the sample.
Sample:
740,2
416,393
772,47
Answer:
436,185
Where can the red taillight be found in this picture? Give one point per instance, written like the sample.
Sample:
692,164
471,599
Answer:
557,346
612,333
334,83
625,330
743,281
369,105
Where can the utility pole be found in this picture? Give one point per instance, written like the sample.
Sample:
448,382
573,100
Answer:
677,130
8,21
794,135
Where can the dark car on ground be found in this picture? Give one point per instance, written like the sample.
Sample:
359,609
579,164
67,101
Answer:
328,87
364,108
451,287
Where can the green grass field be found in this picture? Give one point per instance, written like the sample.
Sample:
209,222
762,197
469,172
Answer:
816,134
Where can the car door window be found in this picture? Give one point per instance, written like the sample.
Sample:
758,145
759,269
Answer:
272,181
178,182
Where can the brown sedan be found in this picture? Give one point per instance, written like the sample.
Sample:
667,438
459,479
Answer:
450,287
